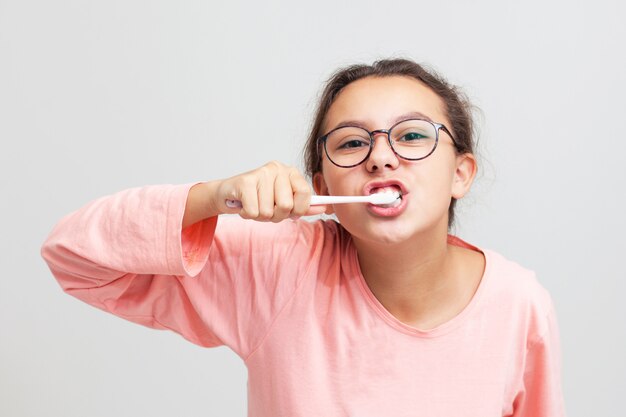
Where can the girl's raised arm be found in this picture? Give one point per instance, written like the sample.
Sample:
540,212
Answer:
151,255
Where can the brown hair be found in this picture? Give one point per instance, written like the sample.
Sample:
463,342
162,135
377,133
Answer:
457,106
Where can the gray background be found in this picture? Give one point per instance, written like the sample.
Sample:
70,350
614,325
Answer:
96,97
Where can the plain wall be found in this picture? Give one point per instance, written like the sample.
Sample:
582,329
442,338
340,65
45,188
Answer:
96,97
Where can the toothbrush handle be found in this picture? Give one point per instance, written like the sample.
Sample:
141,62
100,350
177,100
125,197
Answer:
317,200
338,199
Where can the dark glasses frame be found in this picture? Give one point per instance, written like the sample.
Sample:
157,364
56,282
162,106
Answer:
373,133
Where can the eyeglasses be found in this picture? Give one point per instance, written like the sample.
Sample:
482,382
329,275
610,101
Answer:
412,139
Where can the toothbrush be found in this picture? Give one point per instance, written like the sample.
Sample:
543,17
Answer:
387,197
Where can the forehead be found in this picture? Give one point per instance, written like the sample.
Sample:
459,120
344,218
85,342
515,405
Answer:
377,102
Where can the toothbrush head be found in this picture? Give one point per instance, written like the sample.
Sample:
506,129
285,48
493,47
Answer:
386,197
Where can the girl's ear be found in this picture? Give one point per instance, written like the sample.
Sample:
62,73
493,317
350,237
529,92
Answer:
464,175
320,187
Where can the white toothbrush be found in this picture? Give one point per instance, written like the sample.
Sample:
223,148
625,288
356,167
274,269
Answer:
386,197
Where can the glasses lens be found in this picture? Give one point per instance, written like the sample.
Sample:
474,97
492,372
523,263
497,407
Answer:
414,139
348,146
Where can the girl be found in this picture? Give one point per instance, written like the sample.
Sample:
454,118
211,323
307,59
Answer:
380,314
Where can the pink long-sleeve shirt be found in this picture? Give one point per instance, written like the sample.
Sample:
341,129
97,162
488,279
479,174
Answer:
290,300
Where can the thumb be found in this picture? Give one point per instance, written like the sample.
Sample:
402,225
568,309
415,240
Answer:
315,210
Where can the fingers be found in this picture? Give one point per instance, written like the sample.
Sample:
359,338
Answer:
301,194
265,191
272,192
316,210
283,198
249,198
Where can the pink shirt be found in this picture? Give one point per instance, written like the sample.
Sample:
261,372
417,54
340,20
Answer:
290,300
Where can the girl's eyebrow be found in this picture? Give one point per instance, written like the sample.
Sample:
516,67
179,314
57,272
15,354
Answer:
405,116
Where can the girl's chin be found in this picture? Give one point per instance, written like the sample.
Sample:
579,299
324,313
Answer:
387,234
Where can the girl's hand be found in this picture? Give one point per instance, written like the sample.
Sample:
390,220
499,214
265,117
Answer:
272,192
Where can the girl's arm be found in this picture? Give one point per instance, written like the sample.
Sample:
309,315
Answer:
130,254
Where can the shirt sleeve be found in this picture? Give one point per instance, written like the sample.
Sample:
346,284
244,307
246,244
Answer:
127,254
541,394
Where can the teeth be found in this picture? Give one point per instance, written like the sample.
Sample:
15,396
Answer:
388,189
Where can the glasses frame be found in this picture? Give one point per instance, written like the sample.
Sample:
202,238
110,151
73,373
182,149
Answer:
373,133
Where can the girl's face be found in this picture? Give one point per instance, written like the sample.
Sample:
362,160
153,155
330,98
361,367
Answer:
427,185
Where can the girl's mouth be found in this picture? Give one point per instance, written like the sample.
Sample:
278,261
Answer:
388,210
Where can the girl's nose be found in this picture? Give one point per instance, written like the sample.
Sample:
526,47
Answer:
382,156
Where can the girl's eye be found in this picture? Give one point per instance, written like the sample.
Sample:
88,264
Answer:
412,136
353,143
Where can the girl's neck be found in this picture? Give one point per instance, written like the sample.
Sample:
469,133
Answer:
416,281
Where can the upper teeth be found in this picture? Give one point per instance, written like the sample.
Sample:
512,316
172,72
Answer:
388,189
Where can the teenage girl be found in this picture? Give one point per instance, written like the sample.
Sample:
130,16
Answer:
382,313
